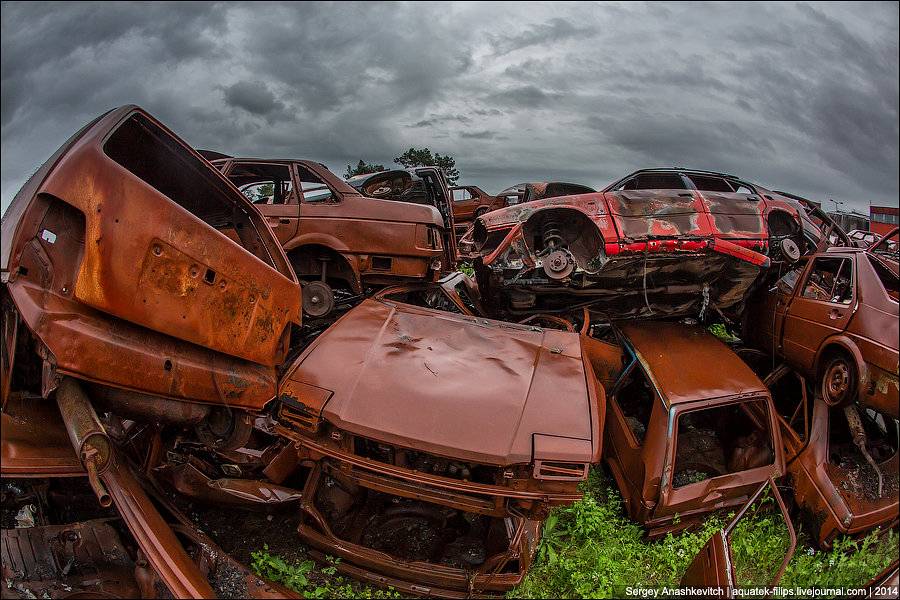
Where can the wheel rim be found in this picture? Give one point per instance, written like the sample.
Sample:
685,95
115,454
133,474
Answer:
836,383
318,299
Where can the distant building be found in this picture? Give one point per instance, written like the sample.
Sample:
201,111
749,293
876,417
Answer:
850,220
883,218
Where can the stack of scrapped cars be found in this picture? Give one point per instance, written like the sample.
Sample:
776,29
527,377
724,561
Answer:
186,329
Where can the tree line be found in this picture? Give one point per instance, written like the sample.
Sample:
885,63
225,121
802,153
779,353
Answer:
414,157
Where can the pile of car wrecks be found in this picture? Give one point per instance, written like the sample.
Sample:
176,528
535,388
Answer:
186,329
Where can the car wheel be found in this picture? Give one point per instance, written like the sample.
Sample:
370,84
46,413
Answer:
318,299
480,212
838,383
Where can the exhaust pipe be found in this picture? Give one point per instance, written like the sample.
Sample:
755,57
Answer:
86,433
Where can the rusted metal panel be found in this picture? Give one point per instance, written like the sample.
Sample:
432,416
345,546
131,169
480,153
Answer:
119,266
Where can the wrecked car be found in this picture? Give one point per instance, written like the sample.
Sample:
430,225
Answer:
340,242
470,202
660,242
683,439
842,462
434,413
833,316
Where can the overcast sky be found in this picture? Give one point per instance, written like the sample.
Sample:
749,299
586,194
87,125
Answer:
797,97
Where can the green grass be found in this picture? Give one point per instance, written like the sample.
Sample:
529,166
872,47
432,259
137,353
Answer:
312,580
592,550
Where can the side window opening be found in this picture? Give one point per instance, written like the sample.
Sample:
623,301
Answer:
461,195
888,279
655,181
635,399
705,183
830,280
722,440
150,154
788,396
263,183
314,189
788,281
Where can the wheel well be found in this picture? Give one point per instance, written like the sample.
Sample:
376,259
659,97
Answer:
782,223
830,352
579,234
307,263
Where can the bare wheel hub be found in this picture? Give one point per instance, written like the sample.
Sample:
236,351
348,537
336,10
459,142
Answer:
318,299
790,250
558,264
836,383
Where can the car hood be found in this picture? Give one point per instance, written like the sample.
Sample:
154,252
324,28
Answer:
458,386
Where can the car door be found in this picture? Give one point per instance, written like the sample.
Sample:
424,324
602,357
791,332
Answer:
735,210
272,188
658,205
765,314
464,202
821,307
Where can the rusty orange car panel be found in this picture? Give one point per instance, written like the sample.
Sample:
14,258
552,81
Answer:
155,275
681,438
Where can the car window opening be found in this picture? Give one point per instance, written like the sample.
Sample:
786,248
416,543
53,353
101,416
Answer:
722,440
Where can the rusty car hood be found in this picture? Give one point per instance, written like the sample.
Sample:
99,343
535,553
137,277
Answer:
459,386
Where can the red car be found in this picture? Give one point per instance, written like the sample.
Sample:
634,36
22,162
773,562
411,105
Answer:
658,242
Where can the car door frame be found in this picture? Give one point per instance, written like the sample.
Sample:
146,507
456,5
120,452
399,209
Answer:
800,322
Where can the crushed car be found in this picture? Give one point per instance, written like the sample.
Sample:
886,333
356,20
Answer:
445,423
842,462
657,243
683,439
338,240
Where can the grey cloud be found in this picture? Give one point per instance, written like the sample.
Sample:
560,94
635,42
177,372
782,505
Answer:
796,97
254,97
553,31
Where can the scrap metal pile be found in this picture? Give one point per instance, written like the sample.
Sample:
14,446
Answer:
187,333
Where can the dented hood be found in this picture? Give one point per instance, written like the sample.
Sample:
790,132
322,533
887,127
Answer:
458,386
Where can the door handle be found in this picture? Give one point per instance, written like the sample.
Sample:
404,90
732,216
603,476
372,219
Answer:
835,314
284,221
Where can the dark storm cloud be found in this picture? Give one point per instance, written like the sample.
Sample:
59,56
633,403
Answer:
254,97
552,32
794,96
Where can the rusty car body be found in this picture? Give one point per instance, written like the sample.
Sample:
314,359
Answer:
833,316
337,238
659,242
682,439
842,461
